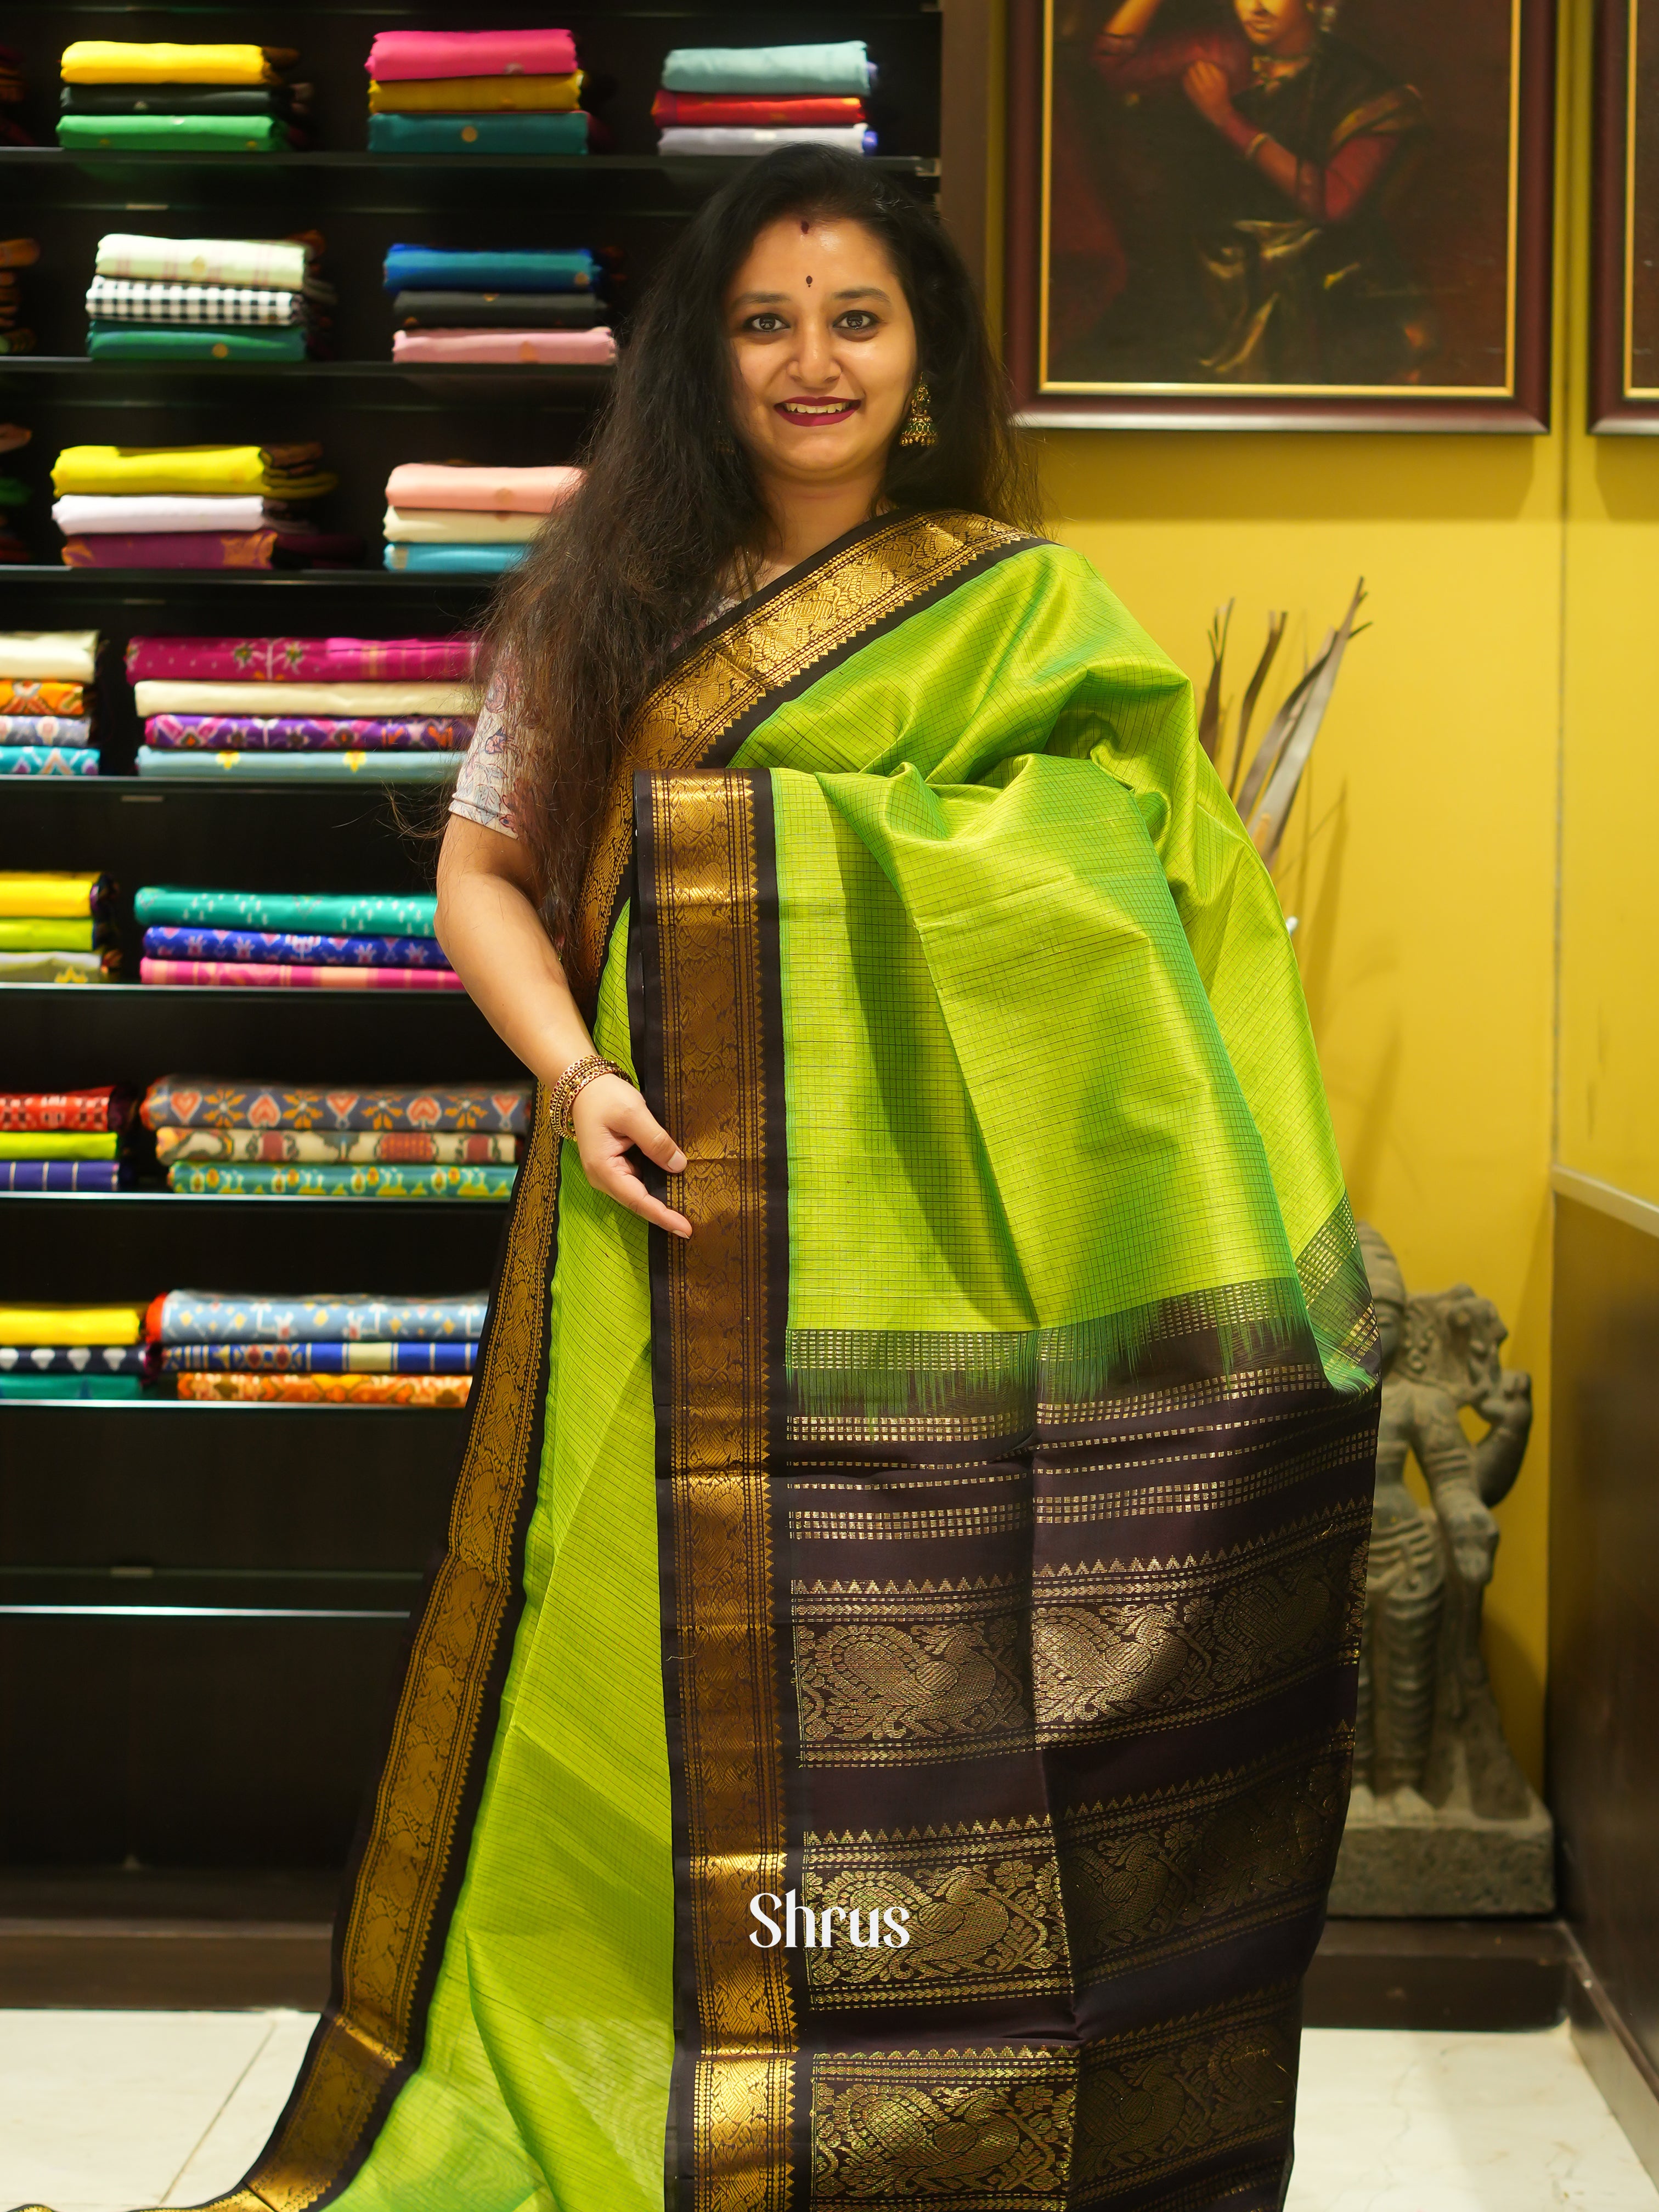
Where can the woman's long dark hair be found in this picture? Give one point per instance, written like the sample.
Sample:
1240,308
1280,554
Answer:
670,511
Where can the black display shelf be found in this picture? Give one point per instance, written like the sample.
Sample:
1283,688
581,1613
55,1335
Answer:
69,379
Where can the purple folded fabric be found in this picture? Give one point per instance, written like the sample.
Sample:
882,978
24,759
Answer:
302,659
171,549
305,733
64,1175
187,941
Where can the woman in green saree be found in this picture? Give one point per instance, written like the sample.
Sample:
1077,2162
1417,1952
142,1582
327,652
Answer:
921,1512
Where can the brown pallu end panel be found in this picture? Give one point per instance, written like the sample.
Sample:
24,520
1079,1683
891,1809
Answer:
411,1855
1049,1639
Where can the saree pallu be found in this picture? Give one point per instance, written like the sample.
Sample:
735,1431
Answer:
206,1102
330,913
171,941
306,733
279,975
966,1524
486,1184
315,1359
353,1148
330,1390
48,760
301,660
216,1317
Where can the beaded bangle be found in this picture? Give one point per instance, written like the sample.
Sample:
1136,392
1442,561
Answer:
574,1080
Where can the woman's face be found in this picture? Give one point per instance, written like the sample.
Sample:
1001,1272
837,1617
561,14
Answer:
1276,26
824,349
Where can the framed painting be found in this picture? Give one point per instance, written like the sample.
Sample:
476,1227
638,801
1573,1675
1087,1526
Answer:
1293,215
1624,381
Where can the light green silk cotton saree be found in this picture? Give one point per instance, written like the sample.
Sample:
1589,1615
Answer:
962,1534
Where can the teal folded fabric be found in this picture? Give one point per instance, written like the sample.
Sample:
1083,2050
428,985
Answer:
48,760
837,70
304,767
173,134
331,1181
478,134
459,560
70,1386
324,913
109,341
442,268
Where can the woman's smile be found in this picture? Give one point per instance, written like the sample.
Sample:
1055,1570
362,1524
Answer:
810,414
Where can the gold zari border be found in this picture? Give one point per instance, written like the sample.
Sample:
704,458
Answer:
705,866
433,1739
868,582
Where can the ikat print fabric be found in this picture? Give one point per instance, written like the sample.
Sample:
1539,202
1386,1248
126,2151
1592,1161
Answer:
20,695
44,730
329,1181
438,733
236,1317
346,1147
190,941
64,1175
109,1108
48,760
329,1390
72,1358
206,1102
445,1357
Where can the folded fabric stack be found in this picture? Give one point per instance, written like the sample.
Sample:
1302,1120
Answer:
46,707
205,299
72,1351
441,517
64,1139
15,254
163,98
192,507
295,1141
485,306
356,1350
53,928
747,100
475,92
267,940
14,493
12,132
314,709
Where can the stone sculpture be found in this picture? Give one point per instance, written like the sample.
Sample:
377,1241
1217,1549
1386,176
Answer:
1442,1820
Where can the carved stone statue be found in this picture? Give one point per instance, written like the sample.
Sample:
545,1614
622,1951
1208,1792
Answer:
1442,1820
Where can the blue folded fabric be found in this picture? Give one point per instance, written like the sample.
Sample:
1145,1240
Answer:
478,134
48,760
453,561
72,1360
191,941
304,767
435,269
837,70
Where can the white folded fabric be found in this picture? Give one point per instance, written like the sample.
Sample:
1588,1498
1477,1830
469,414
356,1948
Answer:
457,526
157,695
734,138
277,262
67,656
97,512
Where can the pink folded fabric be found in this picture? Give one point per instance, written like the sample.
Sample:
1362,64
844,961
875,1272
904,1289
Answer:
441,483
594,346
395,55
302,659
260,974
171,549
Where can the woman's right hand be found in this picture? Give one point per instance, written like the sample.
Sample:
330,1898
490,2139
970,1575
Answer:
611,1120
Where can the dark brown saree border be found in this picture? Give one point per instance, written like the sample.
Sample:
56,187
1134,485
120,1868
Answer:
411,1855
733,675
710,1051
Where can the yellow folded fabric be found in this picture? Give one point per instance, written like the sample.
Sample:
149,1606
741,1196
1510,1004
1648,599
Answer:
57,1145
206,469
55,895
118,61
71,1324
475,95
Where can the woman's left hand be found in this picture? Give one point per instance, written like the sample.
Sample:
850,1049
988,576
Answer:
1205,84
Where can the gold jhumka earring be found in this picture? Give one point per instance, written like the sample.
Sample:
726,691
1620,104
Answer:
917,428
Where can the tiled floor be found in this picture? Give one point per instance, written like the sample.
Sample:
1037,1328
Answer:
103,2111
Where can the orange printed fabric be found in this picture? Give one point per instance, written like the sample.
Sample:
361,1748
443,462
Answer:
40,695
331,1389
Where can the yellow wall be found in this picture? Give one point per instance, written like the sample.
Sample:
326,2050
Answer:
1422,859
1609,1006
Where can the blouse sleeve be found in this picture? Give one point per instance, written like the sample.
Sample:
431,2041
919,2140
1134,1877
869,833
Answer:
484,787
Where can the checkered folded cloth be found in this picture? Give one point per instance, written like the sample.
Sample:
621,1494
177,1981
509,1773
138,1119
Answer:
137,299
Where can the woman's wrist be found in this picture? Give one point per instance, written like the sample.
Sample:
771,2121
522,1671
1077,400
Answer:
587,1067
